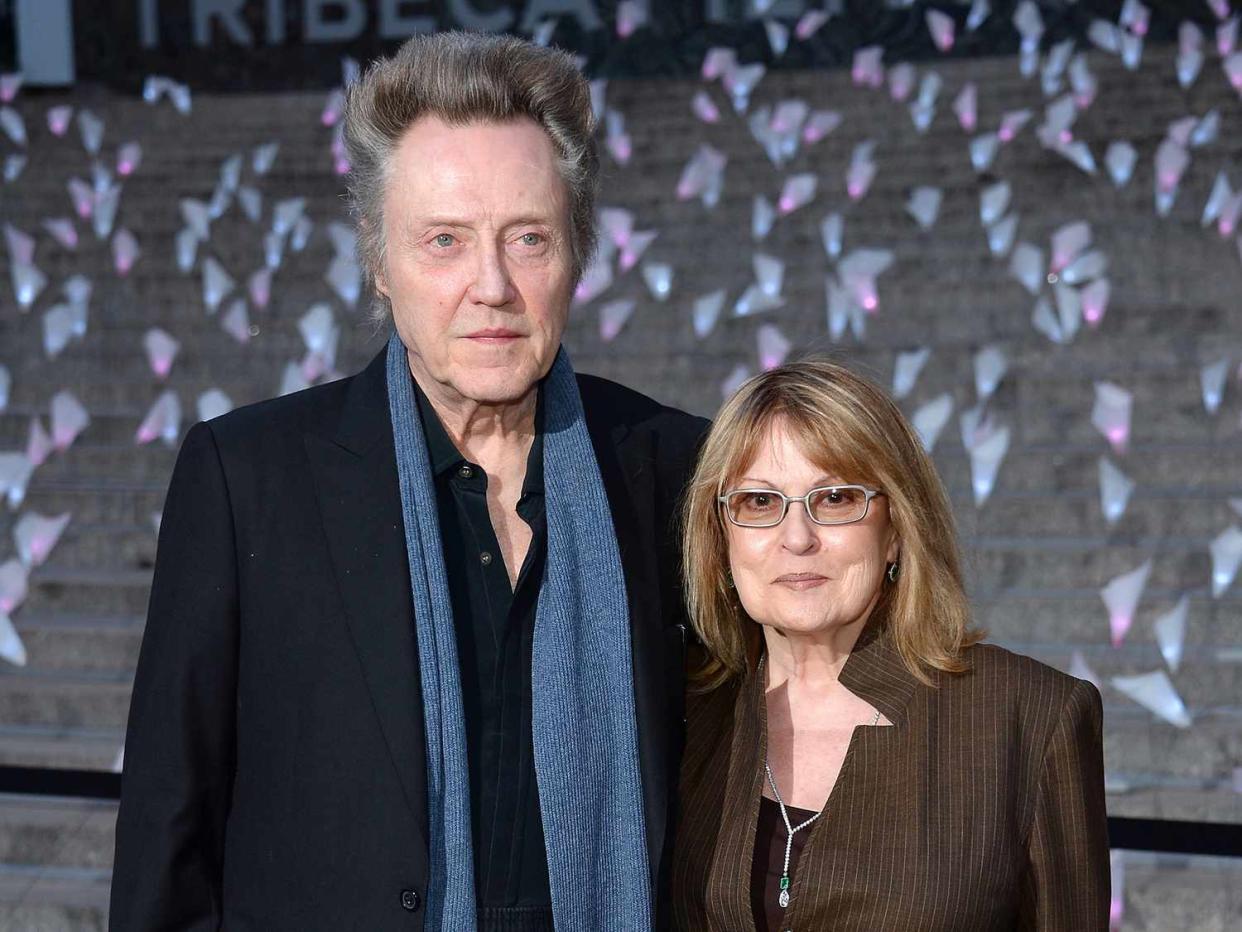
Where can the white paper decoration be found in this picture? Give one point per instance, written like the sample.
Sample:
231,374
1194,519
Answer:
906,370
1170,631
1121,597
1155,692
35,535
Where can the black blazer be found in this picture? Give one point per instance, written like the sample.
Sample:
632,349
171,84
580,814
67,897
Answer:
274,763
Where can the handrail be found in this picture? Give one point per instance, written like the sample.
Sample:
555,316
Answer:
1169,836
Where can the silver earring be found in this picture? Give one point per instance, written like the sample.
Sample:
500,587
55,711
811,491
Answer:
892,572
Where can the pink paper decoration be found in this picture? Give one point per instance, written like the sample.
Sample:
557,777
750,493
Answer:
58,119
236,321
128,158
705,108
1111,414
69,419
819,124
773,346
333,107
798,191
867,70
83,197
259,287
163,421
613,316
1012,123
161,348
809,24
38,443
942,28
1095,301
36,535
10,84
861,172
125,251
901,79
63,231
635,245
966,106
631,16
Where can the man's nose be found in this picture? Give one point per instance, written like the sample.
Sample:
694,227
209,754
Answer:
492,285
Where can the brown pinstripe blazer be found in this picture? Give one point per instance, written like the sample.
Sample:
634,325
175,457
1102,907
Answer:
981,808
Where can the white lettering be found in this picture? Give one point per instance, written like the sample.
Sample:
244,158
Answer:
729,11
148,23
317,28
393,24
275,22
229,14
582,10
467,16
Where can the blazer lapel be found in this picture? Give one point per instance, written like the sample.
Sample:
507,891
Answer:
875,671
355,472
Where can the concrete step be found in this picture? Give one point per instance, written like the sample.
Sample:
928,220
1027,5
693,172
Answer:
80,644
56,590
56,832
52,700
64,747
97,502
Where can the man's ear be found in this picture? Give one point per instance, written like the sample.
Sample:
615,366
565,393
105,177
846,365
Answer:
377,266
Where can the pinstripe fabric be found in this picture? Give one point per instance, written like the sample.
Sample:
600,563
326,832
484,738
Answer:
981,808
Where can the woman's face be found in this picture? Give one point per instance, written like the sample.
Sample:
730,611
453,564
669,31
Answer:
799,576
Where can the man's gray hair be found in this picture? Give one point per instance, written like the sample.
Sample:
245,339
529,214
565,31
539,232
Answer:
464,78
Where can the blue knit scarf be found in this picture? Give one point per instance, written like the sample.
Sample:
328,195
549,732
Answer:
582,685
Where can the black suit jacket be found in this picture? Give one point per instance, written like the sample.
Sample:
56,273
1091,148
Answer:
274,763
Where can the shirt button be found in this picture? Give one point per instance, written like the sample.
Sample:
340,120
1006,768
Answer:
486,558
466,472
409,900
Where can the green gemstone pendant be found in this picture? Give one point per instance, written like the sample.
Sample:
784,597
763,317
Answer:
783,899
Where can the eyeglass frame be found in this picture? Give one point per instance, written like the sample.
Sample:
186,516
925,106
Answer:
787,500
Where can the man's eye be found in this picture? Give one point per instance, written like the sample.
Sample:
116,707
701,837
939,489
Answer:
443,240
531,239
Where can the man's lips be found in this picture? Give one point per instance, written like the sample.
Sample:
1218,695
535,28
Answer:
494,335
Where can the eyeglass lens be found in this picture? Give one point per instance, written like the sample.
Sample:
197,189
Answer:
763,508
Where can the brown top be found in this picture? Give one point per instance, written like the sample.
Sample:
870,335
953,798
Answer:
982,807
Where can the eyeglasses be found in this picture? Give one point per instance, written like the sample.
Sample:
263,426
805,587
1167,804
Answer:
828,505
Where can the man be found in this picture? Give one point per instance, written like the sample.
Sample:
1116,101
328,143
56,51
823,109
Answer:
413,657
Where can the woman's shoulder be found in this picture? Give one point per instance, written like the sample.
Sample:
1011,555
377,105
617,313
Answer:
1002,676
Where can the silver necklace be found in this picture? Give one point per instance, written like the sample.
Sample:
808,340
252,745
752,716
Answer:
791,830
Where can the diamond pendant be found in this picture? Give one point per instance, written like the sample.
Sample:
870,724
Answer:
784,899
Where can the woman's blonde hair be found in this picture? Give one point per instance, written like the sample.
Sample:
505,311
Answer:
851,428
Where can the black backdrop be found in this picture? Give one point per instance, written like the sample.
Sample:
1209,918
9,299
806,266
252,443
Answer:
110,45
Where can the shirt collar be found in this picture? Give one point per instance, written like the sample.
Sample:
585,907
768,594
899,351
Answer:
445,457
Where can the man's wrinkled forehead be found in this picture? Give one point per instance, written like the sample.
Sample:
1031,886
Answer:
444,168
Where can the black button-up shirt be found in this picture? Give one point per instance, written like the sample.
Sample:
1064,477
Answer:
495,627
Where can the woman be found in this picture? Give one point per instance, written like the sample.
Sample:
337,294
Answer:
855,759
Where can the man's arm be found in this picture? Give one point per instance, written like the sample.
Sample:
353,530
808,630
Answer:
179,748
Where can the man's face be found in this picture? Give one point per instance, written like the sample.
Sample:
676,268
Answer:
478,266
